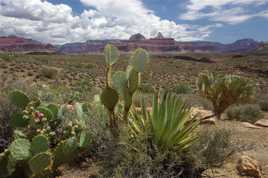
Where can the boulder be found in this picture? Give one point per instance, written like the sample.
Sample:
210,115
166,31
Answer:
248,166
262,123
249,125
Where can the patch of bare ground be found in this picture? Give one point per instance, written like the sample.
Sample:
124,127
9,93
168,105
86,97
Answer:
247,141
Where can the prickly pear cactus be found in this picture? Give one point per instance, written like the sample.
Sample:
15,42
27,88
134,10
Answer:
84,139
119,81
139,59
133,80
39,144
122,83
47,112
40,163
17,120
109,98
65,151
111,54
54,109
7,164
20,149
19,99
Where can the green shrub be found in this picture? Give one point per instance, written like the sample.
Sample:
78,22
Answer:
212,147
263,102
183,89
224,90
246,113
49,72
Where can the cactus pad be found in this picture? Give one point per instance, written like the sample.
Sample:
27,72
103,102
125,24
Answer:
139,59
79,110
20,149
19,99
84,140
46,111
40,162
65,151
39,144
109,98
111,54
119,81
54,109
17,120
133,80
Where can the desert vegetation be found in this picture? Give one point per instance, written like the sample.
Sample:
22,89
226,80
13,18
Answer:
115,115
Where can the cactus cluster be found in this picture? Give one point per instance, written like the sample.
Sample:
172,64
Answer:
34,149
121,85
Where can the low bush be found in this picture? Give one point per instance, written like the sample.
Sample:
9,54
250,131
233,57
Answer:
193,100
183,89
212,147
49,72
263,103
246,113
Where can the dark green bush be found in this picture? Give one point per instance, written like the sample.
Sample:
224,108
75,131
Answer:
246,113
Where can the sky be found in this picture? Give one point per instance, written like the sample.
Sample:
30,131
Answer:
64,21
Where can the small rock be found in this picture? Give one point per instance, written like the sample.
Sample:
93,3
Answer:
262,123
248,166
211,121
249,125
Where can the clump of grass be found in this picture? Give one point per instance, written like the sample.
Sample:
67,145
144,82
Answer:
183,89
49,72
245,113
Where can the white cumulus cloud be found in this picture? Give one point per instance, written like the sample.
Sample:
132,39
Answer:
224,11
102,19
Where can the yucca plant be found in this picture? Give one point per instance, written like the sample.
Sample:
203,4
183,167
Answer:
169,123
224,90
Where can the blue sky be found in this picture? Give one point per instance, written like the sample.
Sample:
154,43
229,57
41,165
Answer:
61,21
